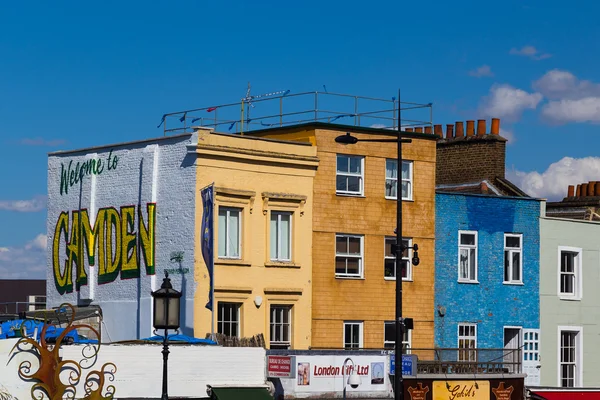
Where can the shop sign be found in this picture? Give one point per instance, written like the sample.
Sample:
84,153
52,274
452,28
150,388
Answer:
461,390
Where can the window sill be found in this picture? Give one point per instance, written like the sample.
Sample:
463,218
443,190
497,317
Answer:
569,298
281,264
514,283
469,282
394,199
359,195
387,278
232,262
350,277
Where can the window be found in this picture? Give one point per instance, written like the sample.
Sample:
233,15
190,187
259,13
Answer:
570,356
281,327
467,256
569,273
467,342
281,236
230,232
390,259
513,258
389,337
348,256
228,319
391,179
349,178
353,335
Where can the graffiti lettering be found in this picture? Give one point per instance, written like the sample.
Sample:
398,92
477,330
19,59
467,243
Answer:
112,244
72,175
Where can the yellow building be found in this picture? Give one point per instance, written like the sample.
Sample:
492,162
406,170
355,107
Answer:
354,217
263,238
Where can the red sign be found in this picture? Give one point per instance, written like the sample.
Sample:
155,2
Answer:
279,366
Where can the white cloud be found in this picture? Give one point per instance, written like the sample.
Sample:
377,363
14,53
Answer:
554,181
482,71
582,110
508,134
38,203
505,101
531,52
24,262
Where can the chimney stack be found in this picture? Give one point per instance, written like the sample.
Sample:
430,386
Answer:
584,189
437,129
449,131
470,128
495,126
578,191
480,127
419,129
597,188
571,191
591,188
428,129
460,132
408,130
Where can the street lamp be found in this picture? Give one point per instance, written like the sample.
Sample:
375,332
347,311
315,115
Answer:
166,316
353,380
398,250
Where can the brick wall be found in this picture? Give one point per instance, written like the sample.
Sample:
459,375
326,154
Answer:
490,303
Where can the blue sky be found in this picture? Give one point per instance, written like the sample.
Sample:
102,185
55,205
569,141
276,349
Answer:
77,74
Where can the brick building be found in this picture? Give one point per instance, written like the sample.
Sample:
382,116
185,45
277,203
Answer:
487,254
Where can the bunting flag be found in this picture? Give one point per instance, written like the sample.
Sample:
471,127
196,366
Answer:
207,238
211,109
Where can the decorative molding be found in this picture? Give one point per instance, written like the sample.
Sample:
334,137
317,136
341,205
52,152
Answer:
290,200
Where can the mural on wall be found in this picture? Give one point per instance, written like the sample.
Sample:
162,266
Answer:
116,241
55,378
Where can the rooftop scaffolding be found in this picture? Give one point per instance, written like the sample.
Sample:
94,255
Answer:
281,109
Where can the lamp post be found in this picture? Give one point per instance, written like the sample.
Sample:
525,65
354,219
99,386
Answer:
166,316
398,250
353,380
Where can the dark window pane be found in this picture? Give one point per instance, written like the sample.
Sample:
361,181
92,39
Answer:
390,332
354,245
341,245
353,266
342,163
353,184
341,183
355,163
340,265
389,268
388,247
467,238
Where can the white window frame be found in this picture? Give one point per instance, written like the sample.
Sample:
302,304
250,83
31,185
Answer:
577,267
240,212
361,175
578,354
408,259
471,352
389,180
223,322
360,325
406,340
348,255
511,251
280,325
278,256
465,246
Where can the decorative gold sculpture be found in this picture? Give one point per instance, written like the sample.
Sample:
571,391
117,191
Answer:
47,377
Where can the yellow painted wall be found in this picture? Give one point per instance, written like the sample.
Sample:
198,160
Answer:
259,176
371,299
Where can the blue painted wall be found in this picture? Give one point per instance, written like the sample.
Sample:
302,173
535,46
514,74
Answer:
490,304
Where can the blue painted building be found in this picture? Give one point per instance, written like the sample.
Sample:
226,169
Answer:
487,273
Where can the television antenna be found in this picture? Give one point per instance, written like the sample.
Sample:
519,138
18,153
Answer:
249,98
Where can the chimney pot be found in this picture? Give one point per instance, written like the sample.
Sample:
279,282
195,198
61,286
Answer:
419,129
428,129
578,191
584,189
571,191
449,131
495,126
437,129
470,128
480,127
408,130
597,188
591,188
460,129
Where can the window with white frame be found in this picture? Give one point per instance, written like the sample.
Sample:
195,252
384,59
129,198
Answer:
228,319
389,262
389,337
281,327
467,256
570,356
467,342
391,179
350,174
281,236
349,256
569,273
230,237
513,257
353,335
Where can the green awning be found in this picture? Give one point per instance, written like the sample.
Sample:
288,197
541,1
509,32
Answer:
240,393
